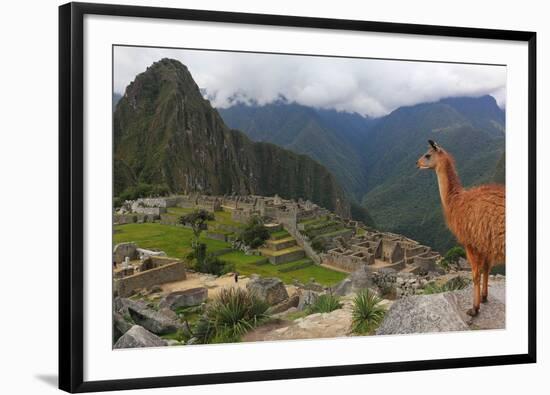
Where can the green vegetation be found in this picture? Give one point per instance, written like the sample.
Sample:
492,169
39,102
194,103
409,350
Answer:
280,234
255,233
140,190
197,220
452,256
231,314
325,304
454,284
367,312
319,244
208,263
176,241
203,261
329,137
248,264
499,269
297,265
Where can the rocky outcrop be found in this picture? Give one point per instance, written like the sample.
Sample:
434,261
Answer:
422,314
314,326
291,302
121,305
272,290
444,312
361,279
120,325
307,298
186,298
138,336
161,322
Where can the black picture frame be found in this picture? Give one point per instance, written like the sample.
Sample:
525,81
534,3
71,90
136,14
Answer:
71,204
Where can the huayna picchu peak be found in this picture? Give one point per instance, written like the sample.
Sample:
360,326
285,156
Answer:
167,135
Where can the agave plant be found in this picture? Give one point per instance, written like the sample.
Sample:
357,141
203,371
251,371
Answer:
367,312
232,313
325,304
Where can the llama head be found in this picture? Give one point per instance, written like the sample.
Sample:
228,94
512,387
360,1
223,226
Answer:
431,158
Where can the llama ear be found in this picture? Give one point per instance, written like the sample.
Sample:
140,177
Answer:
434,145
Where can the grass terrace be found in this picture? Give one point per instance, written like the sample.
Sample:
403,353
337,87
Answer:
176,242
304,269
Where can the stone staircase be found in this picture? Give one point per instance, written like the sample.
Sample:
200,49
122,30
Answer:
282,248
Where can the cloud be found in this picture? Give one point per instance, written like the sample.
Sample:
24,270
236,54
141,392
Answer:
367,86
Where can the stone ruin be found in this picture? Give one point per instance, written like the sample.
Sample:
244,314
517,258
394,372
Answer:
136,268
382,250
286,211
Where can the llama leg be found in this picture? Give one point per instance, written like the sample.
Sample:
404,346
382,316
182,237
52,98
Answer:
485,289
475,264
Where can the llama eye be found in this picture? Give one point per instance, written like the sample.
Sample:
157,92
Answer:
427,156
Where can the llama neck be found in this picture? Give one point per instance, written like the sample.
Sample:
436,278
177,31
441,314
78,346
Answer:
449,183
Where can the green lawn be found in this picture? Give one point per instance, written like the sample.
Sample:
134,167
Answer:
176,242
280,234
246,265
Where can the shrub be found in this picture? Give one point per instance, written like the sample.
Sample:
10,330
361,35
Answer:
255,233
325,304
454,284
319,244
367,313
232,313
208,263
452,256
143,190
117,202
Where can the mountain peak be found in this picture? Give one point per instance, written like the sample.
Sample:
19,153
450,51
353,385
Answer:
164,76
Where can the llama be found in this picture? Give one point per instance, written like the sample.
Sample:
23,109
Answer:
476,217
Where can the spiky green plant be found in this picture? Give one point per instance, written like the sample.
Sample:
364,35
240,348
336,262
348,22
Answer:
367,312
232,313
325,304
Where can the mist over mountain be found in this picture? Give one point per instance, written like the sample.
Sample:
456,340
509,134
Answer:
166,133
374,159
334,139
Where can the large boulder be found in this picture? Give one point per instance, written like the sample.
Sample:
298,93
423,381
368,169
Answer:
307,298
293,301
423,314
121,305
161,322
120,325
445,312
362,278
272,290
492,315
343,288
123,250
138,336
189,297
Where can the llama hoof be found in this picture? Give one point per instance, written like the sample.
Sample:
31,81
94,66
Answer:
484,299
472,312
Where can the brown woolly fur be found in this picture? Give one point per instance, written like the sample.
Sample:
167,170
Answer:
476,216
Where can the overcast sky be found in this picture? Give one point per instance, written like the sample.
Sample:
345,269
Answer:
367,86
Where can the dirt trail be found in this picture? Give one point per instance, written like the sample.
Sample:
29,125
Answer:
212,283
